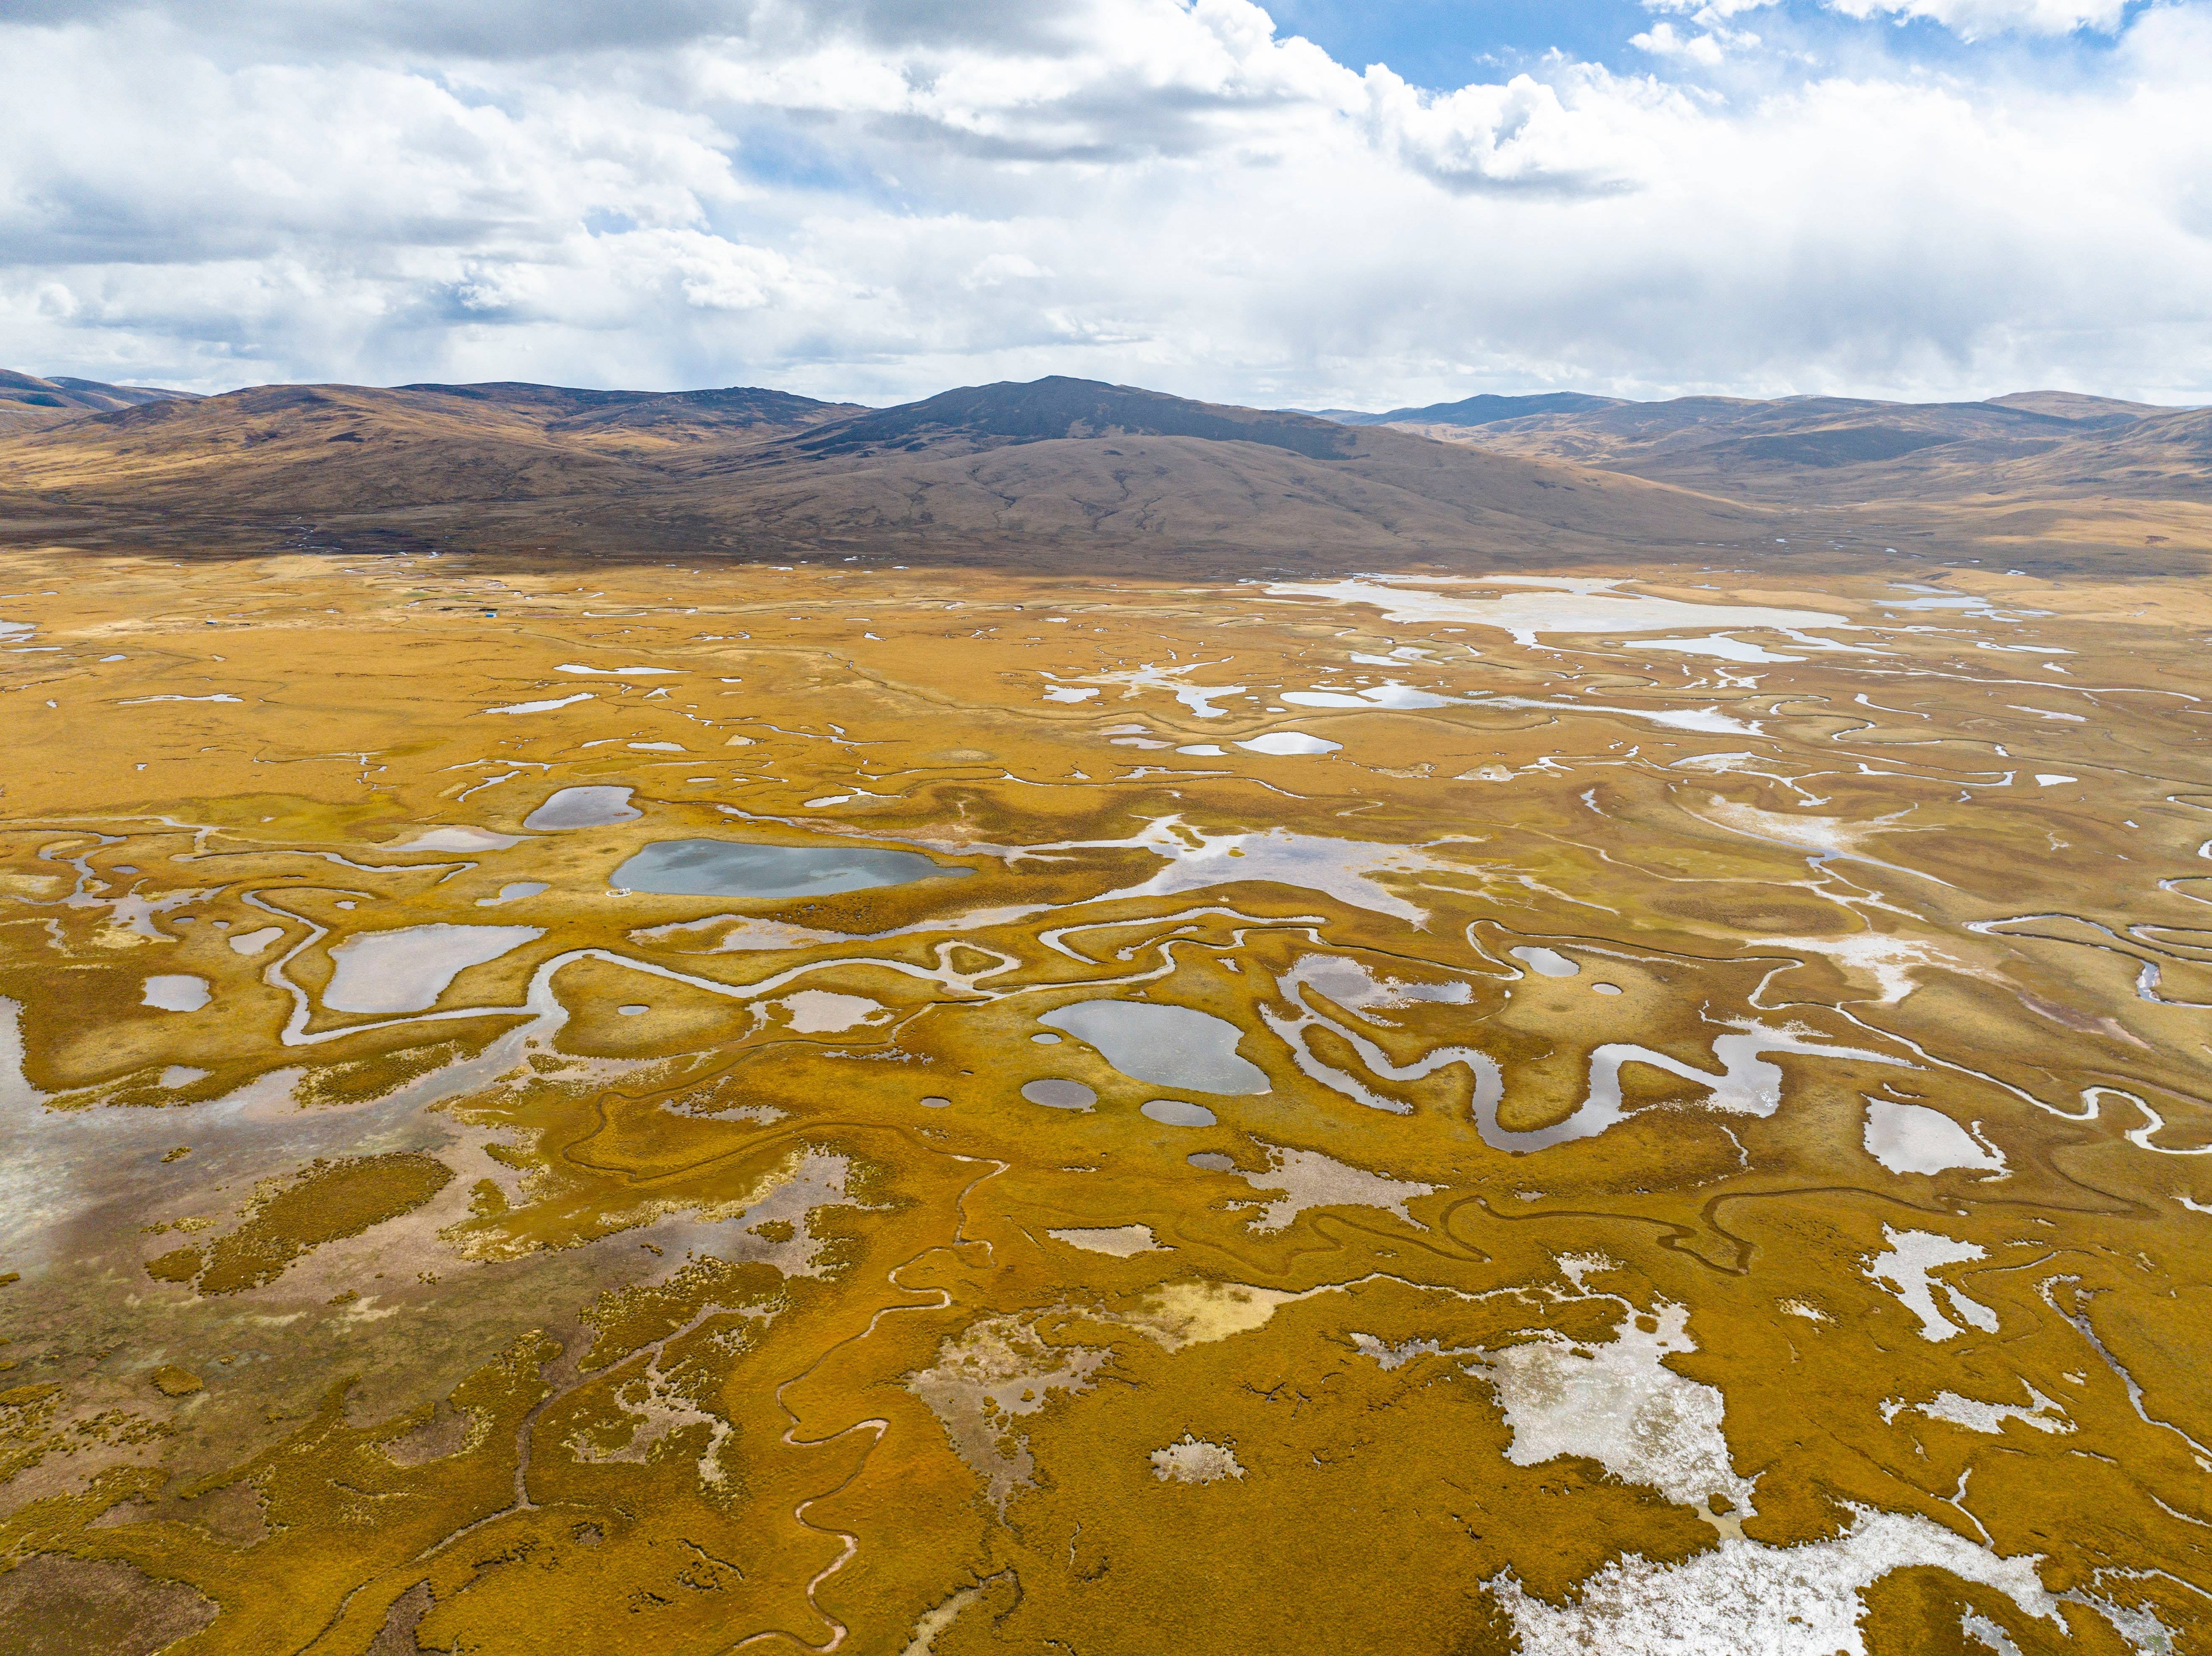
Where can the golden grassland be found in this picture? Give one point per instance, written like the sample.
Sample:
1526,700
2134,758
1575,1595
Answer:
622,1291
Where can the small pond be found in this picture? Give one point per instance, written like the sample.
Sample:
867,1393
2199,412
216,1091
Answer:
601,805
1174,1045
732,868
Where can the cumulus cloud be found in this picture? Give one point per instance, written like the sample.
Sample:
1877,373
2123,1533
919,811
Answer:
878,198
1709,47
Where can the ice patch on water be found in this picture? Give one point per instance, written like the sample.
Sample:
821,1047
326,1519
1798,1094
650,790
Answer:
1903,1270
1913,1138
547,705
407,970
176,992
2041,1412
1342,869
1720,645
1289,744
1565,604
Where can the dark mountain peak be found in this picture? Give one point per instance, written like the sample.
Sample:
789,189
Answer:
1058,407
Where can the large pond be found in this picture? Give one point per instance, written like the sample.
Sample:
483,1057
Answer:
1176,1046
732,868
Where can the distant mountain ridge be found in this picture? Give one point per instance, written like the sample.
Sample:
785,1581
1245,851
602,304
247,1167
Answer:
1006,471
1838,450
28,403
1062,467
1483,409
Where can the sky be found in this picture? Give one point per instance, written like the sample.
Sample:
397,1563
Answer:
1346,203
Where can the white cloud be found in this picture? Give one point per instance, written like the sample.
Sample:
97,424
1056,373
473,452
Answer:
1977,19
1708,49
882,198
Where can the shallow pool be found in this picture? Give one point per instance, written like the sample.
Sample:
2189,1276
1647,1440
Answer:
1177,1112
599,806
1055,1095
732,868
1549,962
1176,1046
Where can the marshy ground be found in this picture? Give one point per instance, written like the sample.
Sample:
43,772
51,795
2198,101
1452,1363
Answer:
688,1109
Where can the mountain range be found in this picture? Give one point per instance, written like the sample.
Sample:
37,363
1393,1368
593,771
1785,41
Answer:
1063,468
1842,449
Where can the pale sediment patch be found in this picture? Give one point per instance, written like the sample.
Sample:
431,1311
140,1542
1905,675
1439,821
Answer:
1742,1596
1178,1314
655,1407
1619,1403
1307,1179
1387,1356
824,1011
1120,1240
465,839
941,1615
985,1377
1890,962
1193,1461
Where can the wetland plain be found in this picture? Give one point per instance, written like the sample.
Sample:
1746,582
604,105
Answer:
697,1107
